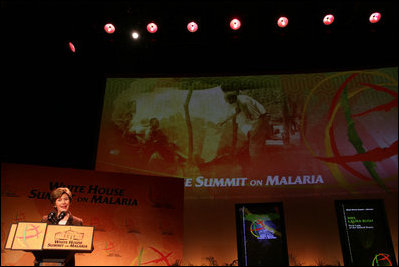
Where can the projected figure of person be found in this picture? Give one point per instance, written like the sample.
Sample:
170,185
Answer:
255,122
161,154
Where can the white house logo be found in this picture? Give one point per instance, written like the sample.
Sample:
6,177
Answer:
68,236
68,239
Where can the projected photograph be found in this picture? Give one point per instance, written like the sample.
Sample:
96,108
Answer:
195,127
261,236
365,235
335,130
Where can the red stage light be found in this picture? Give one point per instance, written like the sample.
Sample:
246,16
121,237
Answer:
235,24
282,22
152,27
328,19
72,47
375,17
192,27
109,28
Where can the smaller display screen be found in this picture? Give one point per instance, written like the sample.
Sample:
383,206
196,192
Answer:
365,235
261,234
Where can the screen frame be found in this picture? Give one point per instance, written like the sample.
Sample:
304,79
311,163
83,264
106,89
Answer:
278,205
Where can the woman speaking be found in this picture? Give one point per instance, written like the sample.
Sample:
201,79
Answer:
60,199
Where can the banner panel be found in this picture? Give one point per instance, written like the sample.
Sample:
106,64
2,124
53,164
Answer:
261,238
138,220
365,234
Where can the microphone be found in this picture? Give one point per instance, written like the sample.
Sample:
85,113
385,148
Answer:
61,216
52,218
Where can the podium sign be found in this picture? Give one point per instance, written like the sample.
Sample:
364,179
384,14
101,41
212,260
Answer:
26,236
65,237
32,236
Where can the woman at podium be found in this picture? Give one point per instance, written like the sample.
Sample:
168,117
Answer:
60,199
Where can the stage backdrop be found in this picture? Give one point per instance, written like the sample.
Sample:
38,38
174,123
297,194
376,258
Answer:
296,133
321,137
138,219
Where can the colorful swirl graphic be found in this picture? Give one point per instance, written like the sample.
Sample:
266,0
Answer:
340,105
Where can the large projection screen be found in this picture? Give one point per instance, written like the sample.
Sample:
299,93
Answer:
275,134
365,235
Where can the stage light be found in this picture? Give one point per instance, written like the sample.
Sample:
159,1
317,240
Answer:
282,22
375,17
328,19
135,35
192,27
235,24
72,47
152,27
109,28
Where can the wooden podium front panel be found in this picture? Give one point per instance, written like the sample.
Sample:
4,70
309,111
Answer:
66,237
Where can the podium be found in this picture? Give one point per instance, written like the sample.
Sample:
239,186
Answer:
50,244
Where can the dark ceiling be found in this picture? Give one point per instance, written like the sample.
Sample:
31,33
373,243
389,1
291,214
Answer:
51,98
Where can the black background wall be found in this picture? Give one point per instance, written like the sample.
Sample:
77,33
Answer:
51,98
